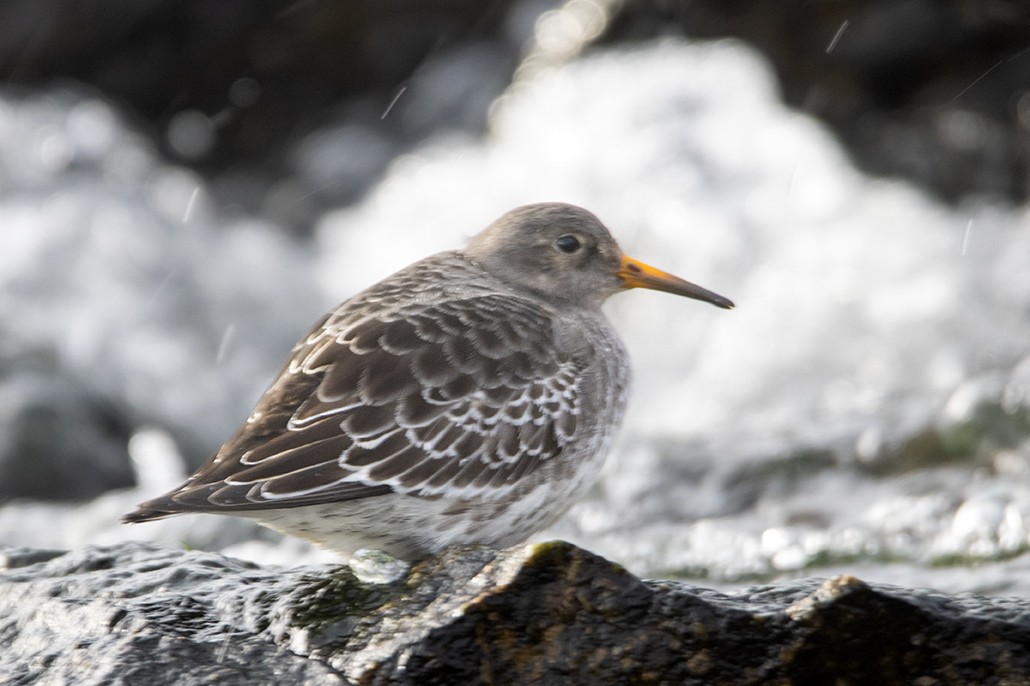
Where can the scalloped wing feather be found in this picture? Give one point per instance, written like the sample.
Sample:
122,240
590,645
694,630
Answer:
458,398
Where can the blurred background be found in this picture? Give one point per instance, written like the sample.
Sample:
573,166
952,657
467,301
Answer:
186,186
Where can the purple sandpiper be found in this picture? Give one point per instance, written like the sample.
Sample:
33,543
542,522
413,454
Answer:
470,398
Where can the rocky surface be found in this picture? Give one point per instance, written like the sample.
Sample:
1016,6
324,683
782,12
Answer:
543,614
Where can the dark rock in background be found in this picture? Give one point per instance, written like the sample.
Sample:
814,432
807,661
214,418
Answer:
231,88
543,614
937,92
58,439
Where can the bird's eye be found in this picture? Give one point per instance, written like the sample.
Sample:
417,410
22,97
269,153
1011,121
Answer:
568,243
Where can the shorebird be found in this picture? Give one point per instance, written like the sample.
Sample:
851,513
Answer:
470,398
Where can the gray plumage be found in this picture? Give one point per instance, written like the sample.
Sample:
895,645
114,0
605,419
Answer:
469,398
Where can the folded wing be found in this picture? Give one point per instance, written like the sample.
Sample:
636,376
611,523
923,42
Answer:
462,398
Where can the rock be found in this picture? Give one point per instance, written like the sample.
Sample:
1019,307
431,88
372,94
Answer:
59,440
540,614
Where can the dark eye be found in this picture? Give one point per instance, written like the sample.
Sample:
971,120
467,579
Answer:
568,243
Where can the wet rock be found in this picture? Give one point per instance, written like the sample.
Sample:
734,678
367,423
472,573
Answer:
549,613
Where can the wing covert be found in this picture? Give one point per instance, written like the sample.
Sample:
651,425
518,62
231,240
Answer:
458,398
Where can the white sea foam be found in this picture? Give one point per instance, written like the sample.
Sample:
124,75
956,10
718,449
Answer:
874,330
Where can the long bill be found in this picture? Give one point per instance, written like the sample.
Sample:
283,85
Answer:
636,274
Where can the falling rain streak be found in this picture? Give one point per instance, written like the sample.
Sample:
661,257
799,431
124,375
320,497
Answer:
836,37
977,80
790,181
190,205
223,346
393,102
159,289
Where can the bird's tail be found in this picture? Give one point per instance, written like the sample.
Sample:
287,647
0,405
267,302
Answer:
145,514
